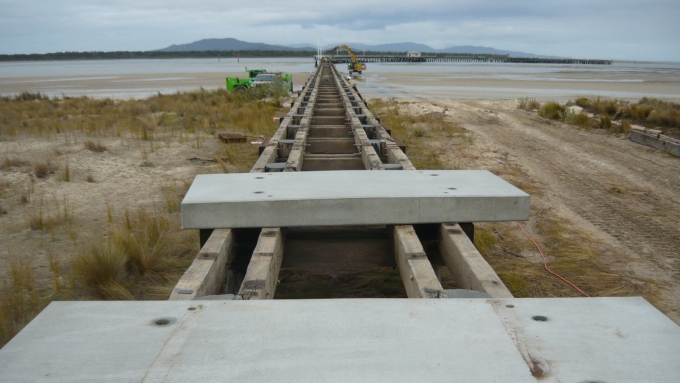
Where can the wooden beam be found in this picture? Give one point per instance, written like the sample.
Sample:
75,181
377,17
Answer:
207,272
263,269
416,270
468,267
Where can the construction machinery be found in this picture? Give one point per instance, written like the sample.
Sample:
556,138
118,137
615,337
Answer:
354,65
257,77
241,84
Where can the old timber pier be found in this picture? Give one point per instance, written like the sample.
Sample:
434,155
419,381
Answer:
332,188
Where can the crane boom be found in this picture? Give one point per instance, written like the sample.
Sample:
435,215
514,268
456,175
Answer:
355,65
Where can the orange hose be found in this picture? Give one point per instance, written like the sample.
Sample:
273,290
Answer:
545,263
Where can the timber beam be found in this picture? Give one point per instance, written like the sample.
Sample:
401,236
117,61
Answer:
469,269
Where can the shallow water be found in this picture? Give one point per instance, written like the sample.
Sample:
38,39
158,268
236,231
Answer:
141,78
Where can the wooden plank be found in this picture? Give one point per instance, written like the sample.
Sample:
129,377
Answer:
468,267
207,272
416,270
263,269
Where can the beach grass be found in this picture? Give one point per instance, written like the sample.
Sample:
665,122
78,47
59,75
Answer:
617,116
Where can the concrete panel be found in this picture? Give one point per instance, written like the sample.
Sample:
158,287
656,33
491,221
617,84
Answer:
657,141
346,340
350,198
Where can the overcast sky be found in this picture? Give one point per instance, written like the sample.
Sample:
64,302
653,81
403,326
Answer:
607,29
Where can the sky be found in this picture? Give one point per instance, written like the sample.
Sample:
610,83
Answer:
604,29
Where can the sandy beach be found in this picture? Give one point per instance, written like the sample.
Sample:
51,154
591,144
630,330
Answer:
124,79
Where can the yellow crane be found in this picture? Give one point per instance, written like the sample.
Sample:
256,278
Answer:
353,66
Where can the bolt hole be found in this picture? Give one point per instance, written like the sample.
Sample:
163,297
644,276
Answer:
162,322
509,306
539,318
192,308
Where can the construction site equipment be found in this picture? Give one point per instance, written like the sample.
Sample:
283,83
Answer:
241,84
257,77
354,65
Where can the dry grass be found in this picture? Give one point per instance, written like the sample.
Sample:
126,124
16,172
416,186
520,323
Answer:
571,253
528,103
43,169
418,131
20,299
551,110
605,122
178,116
581,120
141,256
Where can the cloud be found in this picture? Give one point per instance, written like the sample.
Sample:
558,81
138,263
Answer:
623,29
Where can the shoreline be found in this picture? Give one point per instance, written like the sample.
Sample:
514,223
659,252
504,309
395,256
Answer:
401,85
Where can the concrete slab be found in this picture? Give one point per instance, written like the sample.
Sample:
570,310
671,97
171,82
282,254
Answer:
370,340
328,198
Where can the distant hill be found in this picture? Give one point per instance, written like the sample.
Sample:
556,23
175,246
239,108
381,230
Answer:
229,44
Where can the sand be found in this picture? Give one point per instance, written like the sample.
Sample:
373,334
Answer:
406,83
123,86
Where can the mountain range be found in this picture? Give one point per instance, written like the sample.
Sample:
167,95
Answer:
230,44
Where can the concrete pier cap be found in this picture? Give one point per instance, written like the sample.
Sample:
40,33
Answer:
329,198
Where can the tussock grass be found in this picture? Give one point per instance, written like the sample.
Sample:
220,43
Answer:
43,169
46,216
582,102
605,122
623,127
141,257
581,120
20,299
101,266
528,103
648,112
551,110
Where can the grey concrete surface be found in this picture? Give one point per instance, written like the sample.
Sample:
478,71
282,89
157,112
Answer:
327,198
656,141
347,340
